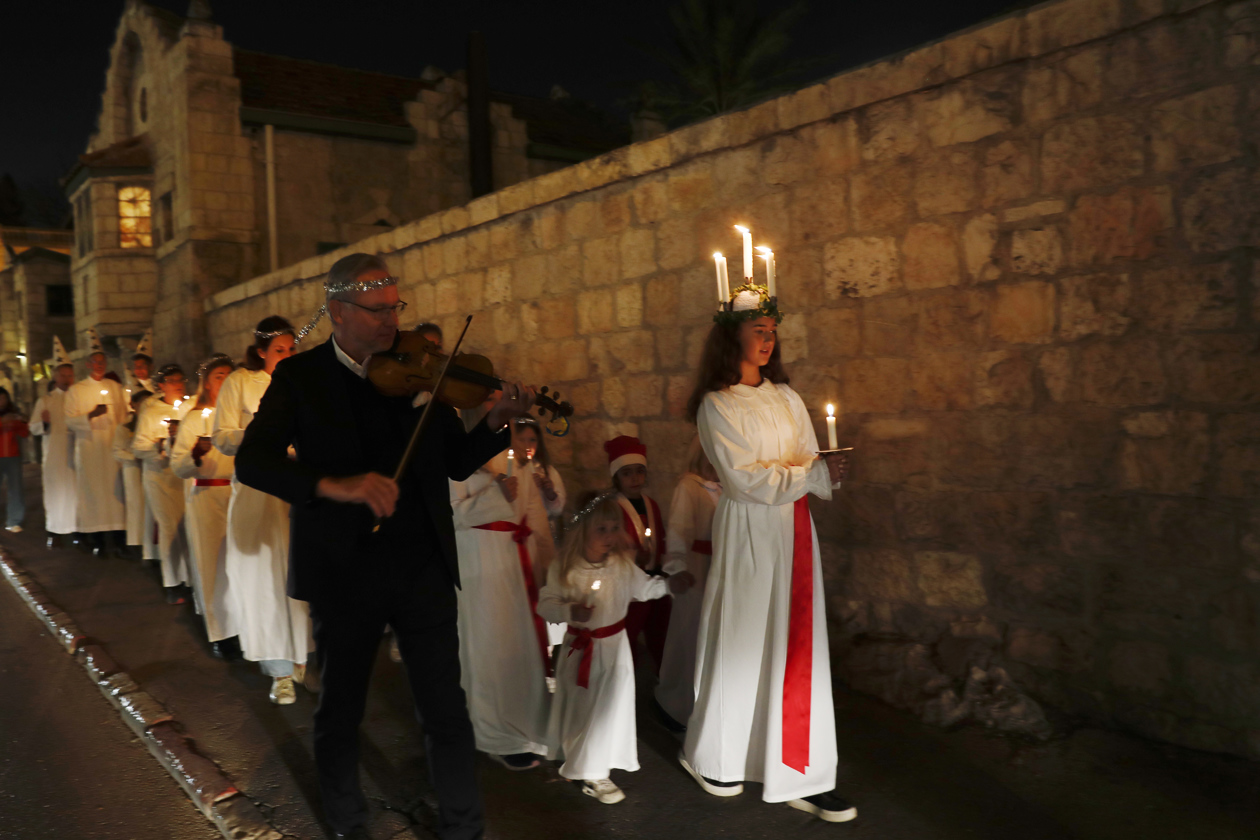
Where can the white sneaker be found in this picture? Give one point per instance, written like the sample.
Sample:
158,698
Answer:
14,529
712,786
603,790
282,691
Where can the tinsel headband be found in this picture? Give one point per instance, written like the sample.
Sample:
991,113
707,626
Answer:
590,507
333,289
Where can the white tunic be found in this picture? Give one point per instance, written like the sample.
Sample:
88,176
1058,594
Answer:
60,491
96,471
593,728
690,519
501,666
205,522
163,490
271,625
129,473
762,444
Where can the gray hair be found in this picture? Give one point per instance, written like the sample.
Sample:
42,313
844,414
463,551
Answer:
343,277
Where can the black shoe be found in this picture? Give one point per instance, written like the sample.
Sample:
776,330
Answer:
229,650
175,595
517,761
666,720
826,806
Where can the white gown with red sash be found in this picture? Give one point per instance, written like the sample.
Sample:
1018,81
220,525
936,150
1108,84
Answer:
502,642
762,618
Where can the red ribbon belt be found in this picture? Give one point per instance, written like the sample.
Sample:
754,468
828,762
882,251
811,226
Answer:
798,670
703,547
582,638
214,482
520,535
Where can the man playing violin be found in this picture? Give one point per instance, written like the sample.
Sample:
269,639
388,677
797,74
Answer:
349,438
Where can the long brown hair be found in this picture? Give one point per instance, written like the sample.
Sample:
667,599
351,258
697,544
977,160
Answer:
719,366
218,360
267,329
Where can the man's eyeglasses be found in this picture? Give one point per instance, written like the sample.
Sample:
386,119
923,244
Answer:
380,313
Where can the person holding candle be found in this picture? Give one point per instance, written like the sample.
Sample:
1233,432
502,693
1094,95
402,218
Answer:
590,586
142,365
132,475
274,630
763,707
48,420
163,489
688,547
93,409
13,427
207,475
641,517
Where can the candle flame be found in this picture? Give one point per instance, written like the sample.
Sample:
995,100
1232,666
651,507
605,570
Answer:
104,392
764,251
717,255
741,228
647,532
831,410
205,412
511,454
596,584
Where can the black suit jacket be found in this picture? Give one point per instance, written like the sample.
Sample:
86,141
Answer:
340,427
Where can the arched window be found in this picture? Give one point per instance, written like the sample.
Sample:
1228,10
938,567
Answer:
135,218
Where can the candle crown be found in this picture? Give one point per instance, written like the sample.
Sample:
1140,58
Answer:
752,300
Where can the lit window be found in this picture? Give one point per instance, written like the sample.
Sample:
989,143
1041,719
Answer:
135,222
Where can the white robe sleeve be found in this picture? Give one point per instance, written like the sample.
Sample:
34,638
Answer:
679,528
182,463
552,605
557,507
480,507
77,415
645,587
746,480
149,430
229,430
36,425
122,444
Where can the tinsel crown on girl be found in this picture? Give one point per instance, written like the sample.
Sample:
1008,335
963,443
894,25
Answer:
752,300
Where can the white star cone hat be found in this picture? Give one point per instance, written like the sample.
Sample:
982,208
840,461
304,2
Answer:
60,356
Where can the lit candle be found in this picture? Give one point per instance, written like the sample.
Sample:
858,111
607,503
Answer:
647,533
748,265
205,412
719,263
177,403
595,586
511,463
768,256
832,443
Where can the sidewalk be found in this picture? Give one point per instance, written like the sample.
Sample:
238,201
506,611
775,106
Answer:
909,781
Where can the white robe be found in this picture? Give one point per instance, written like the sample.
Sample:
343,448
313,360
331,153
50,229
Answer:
762,444
271,625
502,670
129,474
163,490
205,522
593,728
690,519
96,471
61,502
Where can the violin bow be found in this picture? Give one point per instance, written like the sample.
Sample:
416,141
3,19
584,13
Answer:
424,417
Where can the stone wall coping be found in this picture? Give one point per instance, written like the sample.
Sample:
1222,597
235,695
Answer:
1021,34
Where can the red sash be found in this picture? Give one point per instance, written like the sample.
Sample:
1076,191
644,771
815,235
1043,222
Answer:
797,672
582,641
520,534
703,547
214,482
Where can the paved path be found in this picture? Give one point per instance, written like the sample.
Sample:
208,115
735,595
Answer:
910,782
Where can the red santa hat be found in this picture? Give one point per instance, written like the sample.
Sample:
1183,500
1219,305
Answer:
623,450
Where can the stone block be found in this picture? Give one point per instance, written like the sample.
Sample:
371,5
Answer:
1023,313
648,156
1064,84
820,210
676,243
644,398
1221,210
1094,304
930,257
952,318
892,130
1122,373
1141,667
1195,130
753,123
595,312
633,351
629,305
804,106
690,187
506,324
1065,451
446,296
1065,24
1056,371
498,288
1068,651
861,267
1238,455
1195,297
637,255
875,385
1216,369
1165,452
1129,224
583,220
1090,152
834,334
968,110
785,160
889,325
557,317
950,579
613,397
1006,173
943,381
973,451
1004,378
946,183
979,244
881,197
601,261
1036,210
893,452
660,304
1225,690
1036,251
881,576
1039,588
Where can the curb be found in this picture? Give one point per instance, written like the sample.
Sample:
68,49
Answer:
214,794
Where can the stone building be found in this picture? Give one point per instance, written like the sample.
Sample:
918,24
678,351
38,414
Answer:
36,303
1022,261
211,164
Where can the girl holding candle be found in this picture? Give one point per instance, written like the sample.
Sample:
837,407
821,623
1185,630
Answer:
590,587
274,629
763,709
207,475
163,489
132,478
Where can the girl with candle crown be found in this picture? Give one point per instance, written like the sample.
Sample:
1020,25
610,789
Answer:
163,490
590,586
763,706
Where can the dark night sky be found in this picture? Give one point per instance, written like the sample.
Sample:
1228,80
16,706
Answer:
54,57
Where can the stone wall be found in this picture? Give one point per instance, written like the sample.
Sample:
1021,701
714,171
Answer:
1021,260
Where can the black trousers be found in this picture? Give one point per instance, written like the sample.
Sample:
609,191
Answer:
421,608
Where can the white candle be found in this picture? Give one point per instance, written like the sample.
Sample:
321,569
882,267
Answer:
511,466
595,586
177,403
205,412
718,262
748,265
768,256
832,443
726,282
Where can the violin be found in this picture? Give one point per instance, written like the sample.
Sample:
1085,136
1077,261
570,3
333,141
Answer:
414,364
